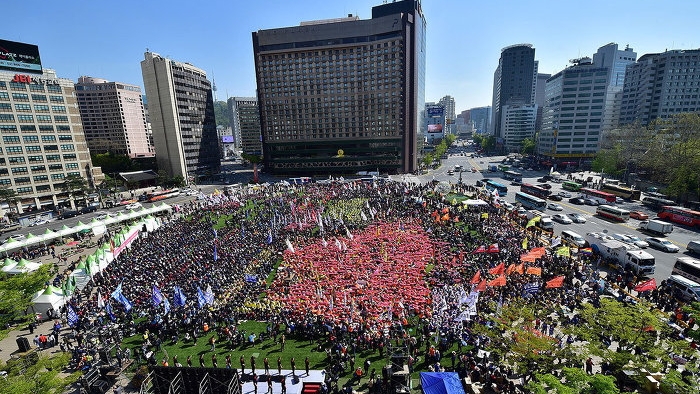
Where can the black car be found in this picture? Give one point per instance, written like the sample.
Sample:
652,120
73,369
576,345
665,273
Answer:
88,209
68,214
577,201
545,186
554,197
543,179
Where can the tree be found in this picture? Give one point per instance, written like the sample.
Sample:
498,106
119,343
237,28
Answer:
489,143
575,381
221,113
528,146
16,292
8,196
39,377
74,185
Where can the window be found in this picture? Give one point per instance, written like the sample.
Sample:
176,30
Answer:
30,138
65,137
35,87
50,148
6,128
63,128
41,178
20,96
54,167
25,118
36,159
48,138
57,177
6,107
10,139
7,118
43,188
61,119
53,157
67,147
58,108
28,127
16,159
22,180
13,149
44,128
40,107
39,97
4,96
74,173
33,148
24,190
56,99
23,108
54,88
19,170
43,118
70,156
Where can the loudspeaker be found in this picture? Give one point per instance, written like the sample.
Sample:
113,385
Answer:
23,344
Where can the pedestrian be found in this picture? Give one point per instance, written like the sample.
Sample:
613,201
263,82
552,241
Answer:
242,360
212,342
252,363
213,361
283,340
255,382
284,386
279,365
266,363
294,366
189,361
589,366
201,360
269,384
306,364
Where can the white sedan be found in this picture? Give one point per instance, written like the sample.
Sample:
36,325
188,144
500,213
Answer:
555,207
561,218
637,241
134,205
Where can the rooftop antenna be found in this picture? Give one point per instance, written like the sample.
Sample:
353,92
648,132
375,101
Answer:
213,85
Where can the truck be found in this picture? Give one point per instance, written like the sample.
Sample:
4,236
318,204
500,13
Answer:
493,167
624,256
545,222
656,226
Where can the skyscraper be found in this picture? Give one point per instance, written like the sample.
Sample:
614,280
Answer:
246,124
514,82
481,119
449,103
660,85
616,61
113,117
181,110
343,95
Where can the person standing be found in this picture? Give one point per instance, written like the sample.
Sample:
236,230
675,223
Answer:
201,360
306,364
242,360
589,366
269,384
284,386
252,363
279,365
255,382
266,363
213,361
294,366
189,361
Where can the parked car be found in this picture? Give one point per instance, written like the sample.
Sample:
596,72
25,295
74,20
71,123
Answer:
564,194
639,215
10,227
104,216
68,214
38,222
662,244
577,201
543,179
576,218
621,237
546,186
554,197
192,193
88,209
133,205
555,207
561,218
16,237
516,183
450,172
590,201
638,242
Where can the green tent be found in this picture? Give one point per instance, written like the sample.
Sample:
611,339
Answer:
81,266
52,289
8,261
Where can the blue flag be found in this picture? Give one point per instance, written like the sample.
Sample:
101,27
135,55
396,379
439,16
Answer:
125,302
117,292
215,234
251,278
209,295
269,237
216,256
530,289
179,297
157,297
201,298
110,313
72,316
166,305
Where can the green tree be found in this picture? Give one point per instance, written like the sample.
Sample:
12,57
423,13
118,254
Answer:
221,113
488,143
16,292
575,381
528,146
8,196
41,377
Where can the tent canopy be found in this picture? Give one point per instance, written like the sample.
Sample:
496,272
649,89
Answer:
441,383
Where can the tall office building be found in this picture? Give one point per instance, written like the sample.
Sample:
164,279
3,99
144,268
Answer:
514,82
573,114
435,121
181,110
449,103
481,119
616,61
660,85
246,124
113,116
343,95
42,134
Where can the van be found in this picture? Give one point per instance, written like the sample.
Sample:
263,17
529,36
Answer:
693,247
545,223
573,238
684,289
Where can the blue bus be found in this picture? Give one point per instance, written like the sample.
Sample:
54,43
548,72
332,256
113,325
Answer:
502,189
530,202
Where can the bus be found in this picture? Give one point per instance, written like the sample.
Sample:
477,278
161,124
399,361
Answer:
534,190
601,197
502,189
687,267
571,186
530,202
657,202
614,213
162,195
680,215
512,176
622,191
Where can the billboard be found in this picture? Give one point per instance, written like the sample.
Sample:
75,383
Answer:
434,128
434,112
17,56
227,139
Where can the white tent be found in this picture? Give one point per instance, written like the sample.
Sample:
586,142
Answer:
23,266
477,202
49,298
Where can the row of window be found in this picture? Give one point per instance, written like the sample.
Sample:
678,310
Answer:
6,129
10,118
13,139
34,87
6,107
37,148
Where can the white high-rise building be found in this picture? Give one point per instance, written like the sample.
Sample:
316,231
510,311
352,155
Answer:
616,61
448,102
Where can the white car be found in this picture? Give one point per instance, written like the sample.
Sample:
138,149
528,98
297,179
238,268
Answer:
564,194
103,216
555,207
576,217
508,206
192,193
134,205
638,242
38,222
662,244
16,237
622,238
590,201
561,218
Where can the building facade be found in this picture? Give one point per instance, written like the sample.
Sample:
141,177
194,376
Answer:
572,119
449,103
514,82
616,61
181,111
246,124
661,85
114,119
480,117
435,121
343,95
42,141
518,122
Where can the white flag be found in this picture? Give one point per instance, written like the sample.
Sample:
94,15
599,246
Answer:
289,245
556,241
100,301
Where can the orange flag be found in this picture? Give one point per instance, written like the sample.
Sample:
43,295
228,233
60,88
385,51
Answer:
481,286
497,270
500,281
528,258
534,271
510,269
446,217
520,269
556,282
476,278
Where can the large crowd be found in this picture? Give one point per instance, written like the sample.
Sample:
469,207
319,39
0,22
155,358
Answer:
359,260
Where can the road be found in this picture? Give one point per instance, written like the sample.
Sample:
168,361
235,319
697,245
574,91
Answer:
664,261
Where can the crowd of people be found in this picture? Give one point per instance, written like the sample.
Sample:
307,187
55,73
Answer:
360,262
